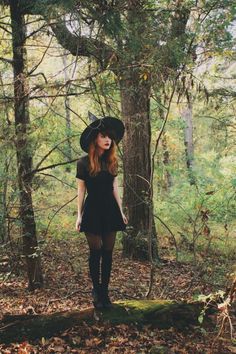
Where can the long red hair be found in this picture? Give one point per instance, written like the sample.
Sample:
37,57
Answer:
111,158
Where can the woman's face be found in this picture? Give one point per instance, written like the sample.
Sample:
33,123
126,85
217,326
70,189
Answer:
103,141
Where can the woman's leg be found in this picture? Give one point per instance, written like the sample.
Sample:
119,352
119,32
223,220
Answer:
95,243
108,242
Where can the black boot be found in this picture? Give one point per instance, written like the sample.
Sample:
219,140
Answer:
106,273
94,268
97,298
106,302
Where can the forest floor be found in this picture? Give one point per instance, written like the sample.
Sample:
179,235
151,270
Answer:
67,287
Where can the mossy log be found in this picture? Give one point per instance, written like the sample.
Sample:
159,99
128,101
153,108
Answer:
159,313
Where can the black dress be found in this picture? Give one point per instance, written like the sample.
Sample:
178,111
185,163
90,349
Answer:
100,211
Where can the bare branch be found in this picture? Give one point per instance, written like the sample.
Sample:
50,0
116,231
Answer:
5,60
58,179
50,151
223,92
76,45
5,29
10,98
52,166
81,45
40,61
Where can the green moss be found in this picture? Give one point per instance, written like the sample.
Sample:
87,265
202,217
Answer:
134,310
159,313
144,304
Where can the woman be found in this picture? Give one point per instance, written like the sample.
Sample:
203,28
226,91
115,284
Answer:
101,215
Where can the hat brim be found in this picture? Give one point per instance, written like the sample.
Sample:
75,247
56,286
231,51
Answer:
107,123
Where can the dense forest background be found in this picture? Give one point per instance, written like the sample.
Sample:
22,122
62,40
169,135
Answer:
167,69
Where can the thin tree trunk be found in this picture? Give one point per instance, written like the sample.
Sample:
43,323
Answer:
3,198
187,115
166,162
68,115
23,151
4,234
166,155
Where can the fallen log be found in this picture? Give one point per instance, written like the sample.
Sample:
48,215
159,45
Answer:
159,313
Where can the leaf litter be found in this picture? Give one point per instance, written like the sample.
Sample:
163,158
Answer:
68,287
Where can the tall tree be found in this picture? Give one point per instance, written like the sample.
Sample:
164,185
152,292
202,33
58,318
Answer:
23,151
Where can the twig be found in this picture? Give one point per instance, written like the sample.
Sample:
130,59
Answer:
56,212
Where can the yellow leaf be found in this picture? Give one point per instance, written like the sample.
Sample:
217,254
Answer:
145,76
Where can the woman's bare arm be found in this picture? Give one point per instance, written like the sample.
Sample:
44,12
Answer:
116,195
81,194
80,201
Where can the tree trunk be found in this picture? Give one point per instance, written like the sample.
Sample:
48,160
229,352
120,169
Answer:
23,151
5,163
159,313
166,162
68,149
3,198
187,115
135,106
167,179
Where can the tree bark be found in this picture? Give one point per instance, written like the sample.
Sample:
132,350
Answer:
159,313
187,115
166,162
22,143
3,198
135,107
5,163
68,149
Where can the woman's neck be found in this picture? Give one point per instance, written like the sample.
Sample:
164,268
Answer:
101,152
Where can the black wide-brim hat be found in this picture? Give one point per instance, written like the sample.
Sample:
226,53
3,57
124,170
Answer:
108,124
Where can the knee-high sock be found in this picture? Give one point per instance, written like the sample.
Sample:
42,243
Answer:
94,267
106,268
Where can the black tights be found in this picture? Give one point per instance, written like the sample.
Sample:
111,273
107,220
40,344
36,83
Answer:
100,247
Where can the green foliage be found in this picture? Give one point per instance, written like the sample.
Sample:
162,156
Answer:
157,44
199,212
207,299
45,7
201,216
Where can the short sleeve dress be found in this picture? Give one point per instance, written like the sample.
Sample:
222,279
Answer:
100,211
